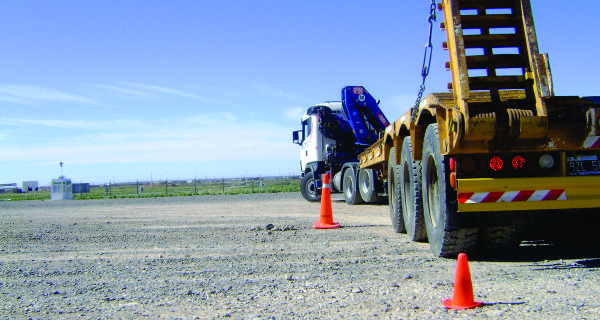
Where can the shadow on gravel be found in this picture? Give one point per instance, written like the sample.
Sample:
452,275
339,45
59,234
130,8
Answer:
581,249
559,237
365,225
378,203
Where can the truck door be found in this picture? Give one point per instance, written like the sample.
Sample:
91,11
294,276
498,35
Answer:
308,151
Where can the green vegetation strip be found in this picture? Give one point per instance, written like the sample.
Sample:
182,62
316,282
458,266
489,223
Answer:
170,189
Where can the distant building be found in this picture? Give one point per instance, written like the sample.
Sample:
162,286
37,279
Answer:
62,189
81,188
29,186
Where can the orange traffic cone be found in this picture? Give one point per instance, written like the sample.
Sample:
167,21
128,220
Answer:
326,218
462,297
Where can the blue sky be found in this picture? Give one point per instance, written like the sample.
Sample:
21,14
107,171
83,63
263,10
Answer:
126,90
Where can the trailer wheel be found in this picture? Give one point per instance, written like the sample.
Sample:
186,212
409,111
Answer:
350,186
366,185
443,241
410,189
308,188
498,240
394,194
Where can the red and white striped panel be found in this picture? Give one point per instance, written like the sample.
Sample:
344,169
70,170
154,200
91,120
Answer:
512,196
592,142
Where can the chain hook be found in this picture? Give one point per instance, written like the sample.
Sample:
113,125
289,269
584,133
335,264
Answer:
426,60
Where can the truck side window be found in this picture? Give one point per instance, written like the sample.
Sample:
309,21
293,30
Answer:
306,128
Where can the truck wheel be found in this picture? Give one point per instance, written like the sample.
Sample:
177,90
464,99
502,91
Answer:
350,186
410,189
498,240
366,185
443,241
394,194
309,189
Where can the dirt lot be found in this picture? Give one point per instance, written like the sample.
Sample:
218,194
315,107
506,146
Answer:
212,257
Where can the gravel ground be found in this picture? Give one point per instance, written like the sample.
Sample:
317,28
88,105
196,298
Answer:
211,257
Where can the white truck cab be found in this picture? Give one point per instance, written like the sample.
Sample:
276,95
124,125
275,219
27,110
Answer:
311,140
313,145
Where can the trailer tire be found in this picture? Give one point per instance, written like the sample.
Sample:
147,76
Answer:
350,186
410,188
443,241
394,194
497,240
367,185
308,188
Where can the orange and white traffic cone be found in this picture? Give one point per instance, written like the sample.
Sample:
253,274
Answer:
326,217
462,297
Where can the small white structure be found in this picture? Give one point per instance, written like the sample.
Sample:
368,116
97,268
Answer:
62,189
29,186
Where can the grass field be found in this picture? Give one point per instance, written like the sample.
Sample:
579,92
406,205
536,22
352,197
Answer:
171,189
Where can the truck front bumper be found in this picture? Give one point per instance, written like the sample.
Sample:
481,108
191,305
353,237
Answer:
517,194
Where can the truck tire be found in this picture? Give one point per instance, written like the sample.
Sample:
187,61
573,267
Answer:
394,194
410,189
497,240
308,188
437,209
350,186
366,185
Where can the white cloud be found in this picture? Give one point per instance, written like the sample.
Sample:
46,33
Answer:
295,113
271,90
122,90
211,120
216,137
32,94
164,90
66,124
147,90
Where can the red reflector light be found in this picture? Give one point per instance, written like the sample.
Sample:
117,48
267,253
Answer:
496,163
518,162
452,165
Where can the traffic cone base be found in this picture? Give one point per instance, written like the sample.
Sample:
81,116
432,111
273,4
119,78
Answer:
462,297
319,225
326,216
449,303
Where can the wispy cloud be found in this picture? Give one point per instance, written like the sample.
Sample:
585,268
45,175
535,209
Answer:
122,90
204,137
165,90
66,124
147,90
33,94
294,113
278,92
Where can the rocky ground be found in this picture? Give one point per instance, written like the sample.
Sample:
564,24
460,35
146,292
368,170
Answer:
257,256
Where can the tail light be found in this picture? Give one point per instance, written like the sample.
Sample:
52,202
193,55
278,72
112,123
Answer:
452,164
496,163
518,163
468,164
452,173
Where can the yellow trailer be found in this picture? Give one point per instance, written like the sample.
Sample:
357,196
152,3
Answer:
464,169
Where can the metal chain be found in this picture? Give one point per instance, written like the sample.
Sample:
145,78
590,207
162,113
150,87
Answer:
426,60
